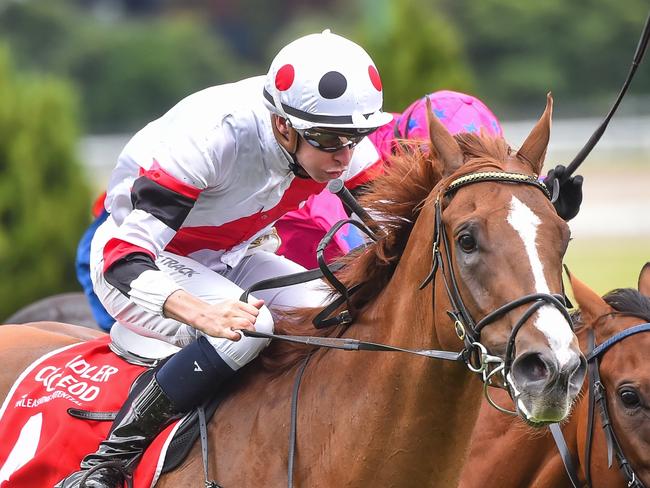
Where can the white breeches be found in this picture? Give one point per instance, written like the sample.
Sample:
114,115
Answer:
212,287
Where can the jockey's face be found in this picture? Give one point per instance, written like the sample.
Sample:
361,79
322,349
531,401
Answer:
321,166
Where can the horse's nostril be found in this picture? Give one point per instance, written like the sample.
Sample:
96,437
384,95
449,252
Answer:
531,368
579,372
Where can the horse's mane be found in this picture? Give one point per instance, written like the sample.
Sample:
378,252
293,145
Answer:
629,301
395,200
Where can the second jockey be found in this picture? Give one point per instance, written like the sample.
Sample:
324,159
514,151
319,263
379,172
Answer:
191,205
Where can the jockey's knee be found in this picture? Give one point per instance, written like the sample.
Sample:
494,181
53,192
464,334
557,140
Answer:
239,353
264,321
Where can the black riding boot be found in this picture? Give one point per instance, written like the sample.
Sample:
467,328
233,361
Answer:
142,420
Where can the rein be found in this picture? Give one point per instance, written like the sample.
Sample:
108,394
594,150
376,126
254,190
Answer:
598,398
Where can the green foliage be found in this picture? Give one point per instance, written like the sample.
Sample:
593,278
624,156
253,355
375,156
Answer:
127,71
43,197
132,77
416,50
579,50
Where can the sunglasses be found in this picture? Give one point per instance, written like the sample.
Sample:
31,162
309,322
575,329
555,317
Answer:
332,140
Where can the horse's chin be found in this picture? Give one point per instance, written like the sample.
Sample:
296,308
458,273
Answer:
539,412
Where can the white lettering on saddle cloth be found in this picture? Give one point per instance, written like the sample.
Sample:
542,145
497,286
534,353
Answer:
78,380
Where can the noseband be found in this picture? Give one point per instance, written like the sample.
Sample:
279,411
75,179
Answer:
467,329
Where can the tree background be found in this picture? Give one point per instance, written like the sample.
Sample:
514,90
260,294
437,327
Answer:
75,67
43,191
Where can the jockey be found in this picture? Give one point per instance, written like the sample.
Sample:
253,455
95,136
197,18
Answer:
191,206
301,230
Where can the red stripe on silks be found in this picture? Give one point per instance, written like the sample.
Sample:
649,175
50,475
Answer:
368,174
98,206
116,249
223,237
163,178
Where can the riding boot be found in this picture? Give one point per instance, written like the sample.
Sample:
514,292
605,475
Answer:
115,460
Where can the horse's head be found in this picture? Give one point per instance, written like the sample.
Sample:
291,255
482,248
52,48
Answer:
621,361
500,245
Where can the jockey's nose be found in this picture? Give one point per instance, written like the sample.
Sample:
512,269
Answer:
344,155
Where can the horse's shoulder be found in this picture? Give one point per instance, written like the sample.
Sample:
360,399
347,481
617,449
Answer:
53,329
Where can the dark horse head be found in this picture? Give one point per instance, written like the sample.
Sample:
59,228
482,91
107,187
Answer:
619,324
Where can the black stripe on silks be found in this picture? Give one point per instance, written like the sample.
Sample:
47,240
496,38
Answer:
125,270
168,206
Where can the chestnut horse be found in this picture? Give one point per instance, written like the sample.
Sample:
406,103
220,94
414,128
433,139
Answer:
508,454
469,221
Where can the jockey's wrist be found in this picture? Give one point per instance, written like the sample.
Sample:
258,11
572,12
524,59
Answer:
184,307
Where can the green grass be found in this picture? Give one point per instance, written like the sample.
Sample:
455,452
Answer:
605,264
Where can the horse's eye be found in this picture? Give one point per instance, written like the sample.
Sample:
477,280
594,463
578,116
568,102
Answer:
467,242
629,397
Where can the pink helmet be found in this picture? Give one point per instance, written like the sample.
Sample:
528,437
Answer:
457,111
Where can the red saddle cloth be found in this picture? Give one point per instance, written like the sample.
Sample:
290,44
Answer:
41,443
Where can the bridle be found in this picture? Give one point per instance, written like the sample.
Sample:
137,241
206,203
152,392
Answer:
467,328
598,398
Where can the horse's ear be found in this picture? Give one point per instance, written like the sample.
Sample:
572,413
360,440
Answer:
644,280
443,143
590,303
533,150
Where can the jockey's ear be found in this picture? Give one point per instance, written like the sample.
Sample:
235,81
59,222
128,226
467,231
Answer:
443,144
533,150
644,280
286,135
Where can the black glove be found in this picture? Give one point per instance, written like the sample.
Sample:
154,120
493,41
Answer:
567,195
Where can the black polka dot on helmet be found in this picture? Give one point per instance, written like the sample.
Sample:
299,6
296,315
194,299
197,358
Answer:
332,85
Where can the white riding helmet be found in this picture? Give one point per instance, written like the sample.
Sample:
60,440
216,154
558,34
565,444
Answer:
325,80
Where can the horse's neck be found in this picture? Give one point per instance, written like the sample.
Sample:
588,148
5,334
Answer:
421,410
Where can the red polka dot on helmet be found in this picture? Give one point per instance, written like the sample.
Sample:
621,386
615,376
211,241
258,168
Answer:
374,77
284,77
325,80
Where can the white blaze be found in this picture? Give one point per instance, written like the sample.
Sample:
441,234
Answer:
549,320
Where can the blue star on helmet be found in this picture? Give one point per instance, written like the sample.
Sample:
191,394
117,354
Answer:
412,124
440,113
471,127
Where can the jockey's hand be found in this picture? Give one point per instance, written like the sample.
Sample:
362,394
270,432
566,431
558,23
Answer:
221,319
225,318
567,195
